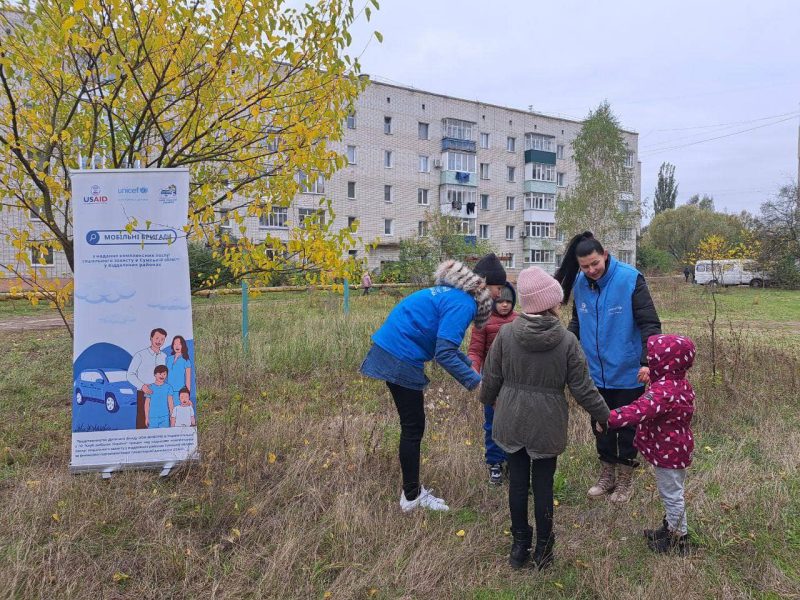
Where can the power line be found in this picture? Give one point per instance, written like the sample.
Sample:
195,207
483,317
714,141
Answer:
793,113
719,137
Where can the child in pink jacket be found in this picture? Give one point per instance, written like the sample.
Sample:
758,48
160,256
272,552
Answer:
663,417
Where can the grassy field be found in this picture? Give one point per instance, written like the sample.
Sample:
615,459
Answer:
296,496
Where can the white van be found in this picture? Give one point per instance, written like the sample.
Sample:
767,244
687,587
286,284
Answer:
734,271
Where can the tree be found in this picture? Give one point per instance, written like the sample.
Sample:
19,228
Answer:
246,94
599,152
678,231
666,188
780,218
704,203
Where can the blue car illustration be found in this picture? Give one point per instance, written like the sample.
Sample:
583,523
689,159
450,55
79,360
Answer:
108,386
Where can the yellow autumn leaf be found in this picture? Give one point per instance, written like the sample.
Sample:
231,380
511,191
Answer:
119,577
68,24
271,458
555,502
559,585
56,517
327,595
236,533
461,533
79,5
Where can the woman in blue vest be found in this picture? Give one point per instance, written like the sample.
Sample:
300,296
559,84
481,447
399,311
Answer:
612,316
428,324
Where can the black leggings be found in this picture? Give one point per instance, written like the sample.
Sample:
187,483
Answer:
521,469
616,445
411,408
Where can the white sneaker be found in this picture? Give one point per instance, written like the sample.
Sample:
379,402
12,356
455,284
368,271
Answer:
425,499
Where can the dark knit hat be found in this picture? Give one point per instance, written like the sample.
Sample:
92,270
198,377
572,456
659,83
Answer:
490,268
507,293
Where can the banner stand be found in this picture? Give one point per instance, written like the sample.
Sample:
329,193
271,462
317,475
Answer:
134,394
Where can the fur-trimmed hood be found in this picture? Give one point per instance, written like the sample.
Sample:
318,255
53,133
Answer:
457,275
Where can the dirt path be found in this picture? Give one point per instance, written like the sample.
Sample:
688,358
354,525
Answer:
30,323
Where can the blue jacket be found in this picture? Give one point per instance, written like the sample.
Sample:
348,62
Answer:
428,324
613,317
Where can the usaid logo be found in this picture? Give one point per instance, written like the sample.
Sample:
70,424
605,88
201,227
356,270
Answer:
95,196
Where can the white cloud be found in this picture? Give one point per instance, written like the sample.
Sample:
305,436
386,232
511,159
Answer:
107,291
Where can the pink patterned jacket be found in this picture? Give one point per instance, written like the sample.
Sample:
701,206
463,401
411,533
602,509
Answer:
663,414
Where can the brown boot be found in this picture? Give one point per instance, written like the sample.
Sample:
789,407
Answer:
606,481
624,489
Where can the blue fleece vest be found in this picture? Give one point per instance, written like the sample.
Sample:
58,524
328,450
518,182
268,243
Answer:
609,335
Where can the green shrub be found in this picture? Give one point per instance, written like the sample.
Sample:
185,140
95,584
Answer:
651,260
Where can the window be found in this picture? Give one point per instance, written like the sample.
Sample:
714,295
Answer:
352,253
512,174
626,205
277,217
424,164
561,179
351,120
34,214
509,232
507,261
483,232
225,220
460,161
626,256
535,141
351,221
422,228
484,170
387,159
484,140
388,226
309,185
540,172
457,129
387,125
422,196
629,158
459,197
466,227
560,151
387,193
351,155
559,258
510,203
310,213
42,257
540,256
626,234
511,144
422,131
484,201
540,230
539,201
351,190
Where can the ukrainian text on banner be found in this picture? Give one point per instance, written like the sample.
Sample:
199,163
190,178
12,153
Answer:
134,394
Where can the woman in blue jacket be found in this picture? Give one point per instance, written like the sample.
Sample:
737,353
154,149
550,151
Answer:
612,316
428,324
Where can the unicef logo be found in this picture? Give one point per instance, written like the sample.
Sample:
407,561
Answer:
142,190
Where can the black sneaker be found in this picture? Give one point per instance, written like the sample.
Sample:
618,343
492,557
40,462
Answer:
496,474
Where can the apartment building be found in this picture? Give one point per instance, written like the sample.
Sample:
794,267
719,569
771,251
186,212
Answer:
497,169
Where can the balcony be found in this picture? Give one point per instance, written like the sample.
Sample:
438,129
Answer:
458,144
531,215
458,178
461,210
540,156
537,243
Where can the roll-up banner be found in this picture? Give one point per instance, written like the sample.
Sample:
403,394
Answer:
134,398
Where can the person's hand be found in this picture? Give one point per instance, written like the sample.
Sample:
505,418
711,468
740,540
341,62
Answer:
147,389
601,426
146,422
644,375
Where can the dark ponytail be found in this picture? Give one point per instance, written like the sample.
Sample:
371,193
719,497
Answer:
582,244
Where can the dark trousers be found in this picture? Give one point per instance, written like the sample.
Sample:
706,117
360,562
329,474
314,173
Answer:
494,453
411,408
141,422
522,471
616,445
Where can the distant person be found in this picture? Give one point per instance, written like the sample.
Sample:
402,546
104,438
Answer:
530,362
179,365
140,371
427,325
366,283
160,401
182,415
687,272
612,316
480,343
663,418
491,269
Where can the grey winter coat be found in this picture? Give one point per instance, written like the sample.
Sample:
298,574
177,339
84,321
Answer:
530,362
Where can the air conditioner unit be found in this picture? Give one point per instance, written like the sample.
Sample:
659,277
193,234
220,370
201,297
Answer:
437,164
523,234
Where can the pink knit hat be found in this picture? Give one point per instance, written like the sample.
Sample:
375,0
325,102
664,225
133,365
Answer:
538,291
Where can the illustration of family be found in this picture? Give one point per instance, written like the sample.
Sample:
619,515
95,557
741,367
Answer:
161,378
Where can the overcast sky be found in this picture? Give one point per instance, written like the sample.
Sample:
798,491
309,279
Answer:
676,72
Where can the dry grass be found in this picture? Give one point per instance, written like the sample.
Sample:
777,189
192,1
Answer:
297,494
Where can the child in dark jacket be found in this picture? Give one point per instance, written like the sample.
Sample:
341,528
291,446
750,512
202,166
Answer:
479,344
663,417
530,362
